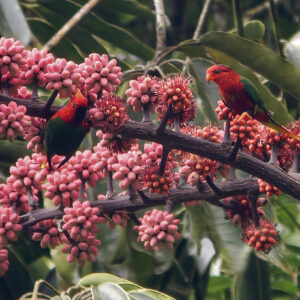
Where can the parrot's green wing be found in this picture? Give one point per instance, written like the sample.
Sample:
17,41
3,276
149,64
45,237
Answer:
253,94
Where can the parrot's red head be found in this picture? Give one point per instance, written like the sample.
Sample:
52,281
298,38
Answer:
220,73
75,110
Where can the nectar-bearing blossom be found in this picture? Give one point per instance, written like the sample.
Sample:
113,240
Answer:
13,121
262,238
142,92
80,222
63,76
158,229
37,61
109,113
101,75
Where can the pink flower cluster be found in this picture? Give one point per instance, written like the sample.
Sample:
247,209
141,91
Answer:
28,173
16,199
224,112
3,261
80,222
62,187
12,61
114,142
175,91
143,91
47,233
152,155
34,134
158,229
127,168
109,113
100,74
13,121
38,61
200,166
63,76
87,165
25,181
210,132
8,225
23,93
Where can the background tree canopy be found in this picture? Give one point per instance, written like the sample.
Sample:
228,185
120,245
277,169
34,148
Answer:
258,39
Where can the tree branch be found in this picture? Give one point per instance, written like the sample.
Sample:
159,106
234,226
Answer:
176,140
202,18
160,25
176,196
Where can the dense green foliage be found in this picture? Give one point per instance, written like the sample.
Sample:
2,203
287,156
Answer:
210,262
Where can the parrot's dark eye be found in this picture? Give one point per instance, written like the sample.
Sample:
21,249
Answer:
74,105
218,71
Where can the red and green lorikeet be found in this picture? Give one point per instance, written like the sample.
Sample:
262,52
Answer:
241,95
66,129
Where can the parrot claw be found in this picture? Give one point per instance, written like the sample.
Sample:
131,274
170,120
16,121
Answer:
245,115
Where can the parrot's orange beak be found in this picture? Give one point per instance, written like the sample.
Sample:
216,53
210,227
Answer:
209,77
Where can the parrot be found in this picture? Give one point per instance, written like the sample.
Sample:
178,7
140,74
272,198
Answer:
66,129
241,95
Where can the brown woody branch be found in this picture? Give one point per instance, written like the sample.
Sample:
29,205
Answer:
178,195
130,129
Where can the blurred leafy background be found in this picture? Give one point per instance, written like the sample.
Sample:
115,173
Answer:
210,261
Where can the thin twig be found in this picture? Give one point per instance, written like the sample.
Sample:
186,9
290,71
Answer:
203,18
274,19
83,11
238,18
161,32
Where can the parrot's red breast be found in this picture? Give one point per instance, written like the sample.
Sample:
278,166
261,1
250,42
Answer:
231,88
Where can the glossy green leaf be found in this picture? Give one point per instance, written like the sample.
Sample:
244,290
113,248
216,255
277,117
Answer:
218,284
258,57
151,294
254,281
93,24
17,279
112,291
11,151
96,279
235,252
44,31
254,30
284,286
207,104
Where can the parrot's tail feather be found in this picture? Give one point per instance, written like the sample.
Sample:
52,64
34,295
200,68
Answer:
280,128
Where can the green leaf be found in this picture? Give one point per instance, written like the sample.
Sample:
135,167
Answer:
93,24
112,291
17,279
96,279
151,294
259,58
254,281
254,30
218,284
207,104
11,151
284,286
44,31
